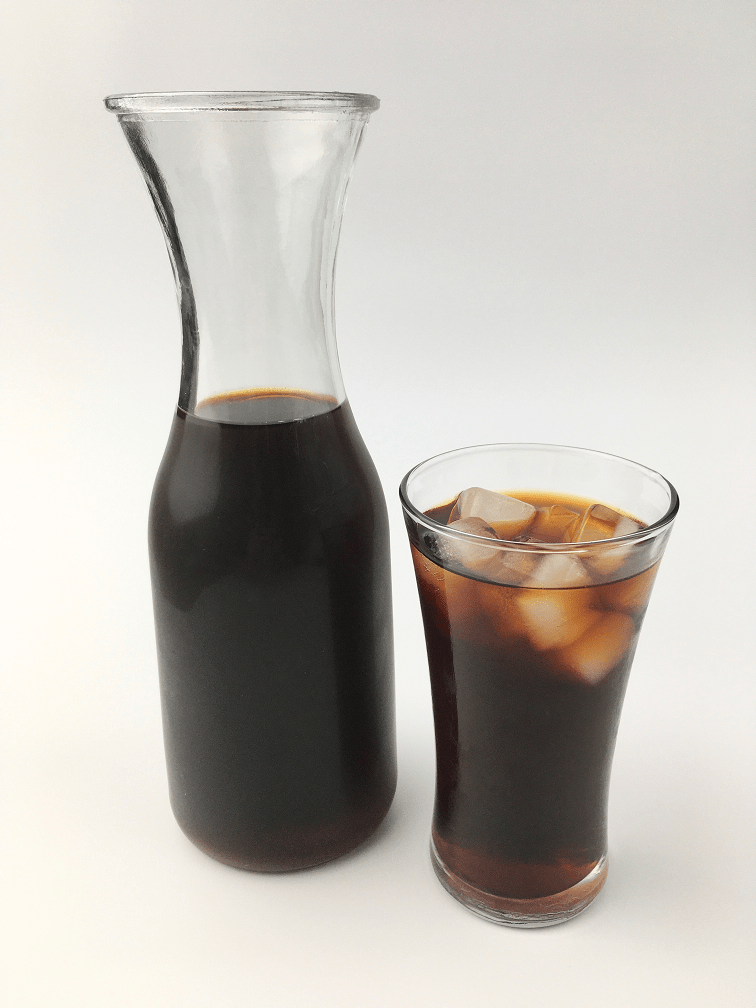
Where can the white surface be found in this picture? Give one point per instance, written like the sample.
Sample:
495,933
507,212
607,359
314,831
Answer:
549,238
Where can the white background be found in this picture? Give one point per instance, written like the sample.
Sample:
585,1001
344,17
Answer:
549,237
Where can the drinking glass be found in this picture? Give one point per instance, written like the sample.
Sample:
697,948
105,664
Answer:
530,645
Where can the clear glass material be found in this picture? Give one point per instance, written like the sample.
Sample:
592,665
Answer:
250,190
530,645
268,530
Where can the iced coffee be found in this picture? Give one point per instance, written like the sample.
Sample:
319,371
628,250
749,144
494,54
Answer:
532,602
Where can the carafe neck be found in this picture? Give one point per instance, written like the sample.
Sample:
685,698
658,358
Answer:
250,189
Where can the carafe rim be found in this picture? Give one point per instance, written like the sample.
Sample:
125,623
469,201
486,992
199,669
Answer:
142,103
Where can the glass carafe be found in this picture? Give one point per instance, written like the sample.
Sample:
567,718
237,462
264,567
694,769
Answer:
268,532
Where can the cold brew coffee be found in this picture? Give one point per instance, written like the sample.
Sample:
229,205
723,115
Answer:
272,600
532,603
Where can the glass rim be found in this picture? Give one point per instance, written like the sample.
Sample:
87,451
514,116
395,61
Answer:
144,103
645,533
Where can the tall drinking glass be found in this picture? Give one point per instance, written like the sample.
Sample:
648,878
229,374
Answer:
532,598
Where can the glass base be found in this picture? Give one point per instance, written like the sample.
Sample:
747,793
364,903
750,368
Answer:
523,913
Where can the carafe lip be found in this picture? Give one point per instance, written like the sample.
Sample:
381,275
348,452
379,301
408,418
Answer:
240,101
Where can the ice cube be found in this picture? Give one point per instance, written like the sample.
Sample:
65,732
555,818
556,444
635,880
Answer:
556,618
605,560
511,567
629,596
608,559
596,522
558,570
474,556
601,522
626,526
598,650
554,524
507,515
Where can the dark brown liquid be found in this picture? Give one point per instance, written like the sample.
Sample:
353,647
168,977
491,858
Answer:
270,567
524,741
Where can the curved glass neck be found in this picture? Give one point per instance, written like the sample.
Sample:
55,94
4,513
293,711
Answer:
250,189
